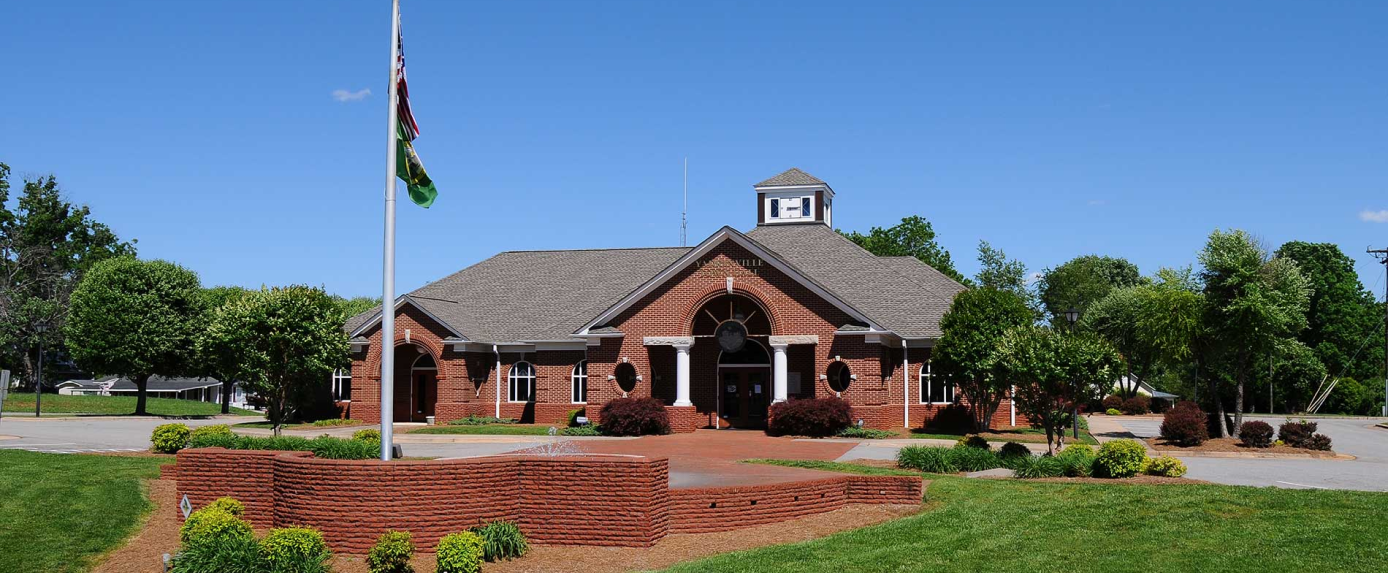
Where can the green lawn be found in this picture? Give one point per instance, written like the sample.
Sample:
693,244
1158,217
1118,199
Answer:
1004,525
58,512
319,425
494,429
115,405
1021,435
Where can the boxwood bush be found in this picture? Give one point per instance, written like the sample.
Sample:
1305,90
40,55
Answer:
1185,425
814,417
391,554
1114,412
459,553
169,438
229,505
367,435
927,459
502,540
212,523
1255,434
634,417
1120,459
213,430
296,550
1165,466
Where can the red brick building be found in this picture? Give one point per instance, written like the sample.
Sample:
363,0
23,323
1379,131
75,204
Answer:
718,331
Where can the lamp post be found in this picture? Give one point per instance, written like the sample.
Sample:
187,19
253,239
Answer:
40,328
1072,315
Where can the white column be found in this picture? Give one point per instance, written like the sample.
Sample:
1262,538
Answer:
778,372
682,375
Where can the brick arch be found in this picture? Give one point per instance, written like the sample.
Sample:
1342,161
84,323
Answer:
431,347
750,291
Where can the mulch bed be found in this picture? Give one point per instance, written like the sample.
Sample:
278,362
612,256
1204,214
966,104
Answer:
142,554
1135,480
1232,445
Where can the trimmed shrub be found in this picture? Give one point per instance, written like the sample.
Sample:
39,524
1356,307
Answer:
1013,450
391,554
333,422
1184,425
326,447
1077,460
865,433
952,418
222,555
210,524
1031,467
1255,434
1159,406
814,417
1165,466
1296,434
330,448
1114,412
460,553
502,540
573,417
1113,402
589,430
971,459
1120,459
228,505
927,459
367,435
1136,405
1319,442
169,438
635,417
202,432
296,550
972,441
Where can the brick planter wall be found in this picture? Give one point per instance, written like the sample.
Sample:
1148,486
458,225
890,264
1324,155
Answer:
602,500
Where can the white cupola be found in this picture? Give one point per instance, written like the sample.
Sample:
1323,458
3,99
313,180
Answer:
794,197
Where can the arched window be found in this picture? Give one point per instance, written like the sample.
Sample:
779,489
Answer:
521,383
580,382
839,377
934,390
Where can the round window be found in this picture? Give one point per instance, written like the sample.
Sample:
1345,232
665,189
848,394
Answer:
626,377
731,335
839,377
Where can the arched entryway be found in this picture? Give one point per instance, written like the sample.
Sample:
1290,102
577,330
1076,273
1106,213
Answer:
731,333
416,384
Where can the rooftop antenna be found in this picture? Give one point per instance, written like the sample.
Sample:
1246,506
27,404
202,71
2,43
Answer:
684,212
1382,256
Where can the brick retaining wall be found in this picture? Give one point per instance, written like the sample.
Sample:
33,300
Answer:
603,500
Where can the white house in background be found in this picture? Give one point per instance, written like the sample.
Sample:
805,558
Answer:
1145,389
199,389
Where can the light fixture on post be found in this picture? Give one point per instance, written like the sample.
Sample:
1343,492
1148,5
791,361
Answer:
41,328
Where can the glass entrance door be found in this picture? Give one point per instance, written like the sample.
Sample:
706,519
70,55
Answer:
745,397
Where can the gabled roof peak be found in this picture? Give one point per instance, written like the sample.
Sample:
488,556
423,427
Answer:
792,176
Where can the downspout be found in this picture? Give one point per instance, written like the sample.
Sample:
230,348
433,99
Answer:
497,351
905,386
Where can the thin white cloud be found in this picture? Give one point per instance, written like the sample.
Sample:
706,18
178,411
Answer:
1374,216
345,95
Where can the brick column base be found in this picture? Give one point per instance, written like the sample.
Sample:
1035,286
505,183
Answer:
684,419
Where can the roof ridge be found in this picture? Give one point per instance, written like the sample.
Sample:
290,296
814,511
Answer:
590,250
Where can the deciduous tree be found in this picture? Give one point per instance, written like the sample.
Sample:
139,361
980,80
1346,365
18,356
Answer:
972,328
136,319
1343,316
913,237
1082,282
1052,372
282,343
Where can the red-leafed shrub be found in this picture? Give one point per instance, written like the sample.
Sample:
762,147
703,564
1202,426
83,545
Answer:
1136,405
952,418
1113,402
1296,434
634,417
1318,442
1255,434
816,417
1184,425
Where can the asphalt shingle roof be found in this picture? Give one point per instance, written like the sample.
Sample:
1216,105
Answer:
792,176
902,294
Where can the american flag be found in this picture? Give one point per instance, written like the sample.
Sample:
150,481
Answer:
409,128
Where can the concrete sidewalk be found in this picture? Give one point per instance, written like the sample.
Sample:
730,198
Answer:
1108,428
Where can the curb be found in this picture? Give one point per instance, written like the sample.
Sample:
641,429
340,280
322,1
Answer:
1250,456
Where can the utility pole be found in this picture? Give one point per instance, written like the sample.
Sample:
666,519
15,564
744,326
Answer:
1382,256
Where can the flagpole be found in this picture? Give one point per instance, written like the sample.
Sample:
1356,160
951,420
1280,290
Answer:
388,291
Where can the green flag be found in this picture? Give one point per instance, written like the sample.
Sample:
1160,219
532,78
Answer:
409,168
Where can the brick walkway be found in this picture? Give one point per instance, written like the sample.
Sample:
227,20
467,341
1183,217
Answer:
708,458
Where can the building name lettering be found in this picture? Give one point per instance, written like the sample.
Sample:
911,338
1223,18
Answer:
728,267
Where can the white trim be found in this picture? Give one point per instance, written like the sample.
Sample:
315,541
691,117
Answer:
726,233
574,377
376,319
512,376
925,377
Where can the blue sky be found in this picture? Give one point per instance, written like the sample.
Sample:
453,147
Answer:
209,131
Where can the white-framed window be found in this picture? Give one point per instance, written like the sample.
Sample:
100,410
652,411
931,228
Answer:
520,383
789,208
580,382
933,391
342,385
